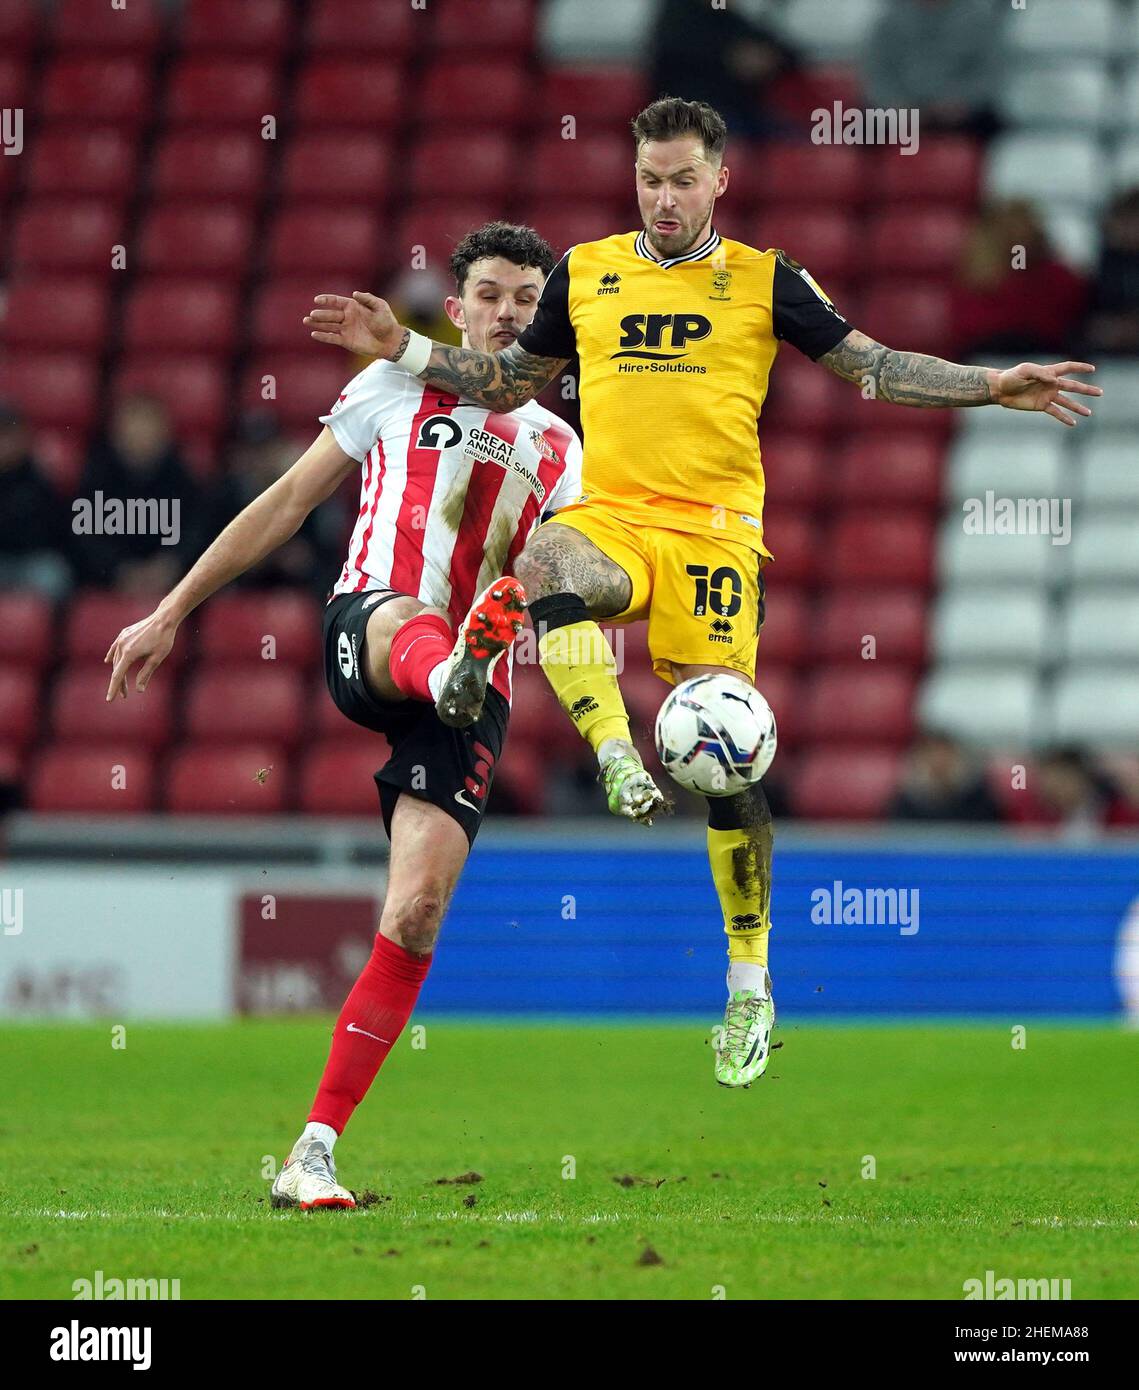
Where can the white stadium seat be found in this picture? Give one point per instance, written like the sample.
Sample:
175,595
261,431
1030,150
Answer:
611,31
1109,471
983,705
1016,465
1100,626
1065,29
1071,95
1119,406
827,30
1129,102
1001,625
966,560
1125,165
1066,169
1097,706
1104,549
1075,234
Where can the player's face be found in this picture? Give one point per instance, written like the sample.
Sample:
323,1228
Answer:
677,188
498,302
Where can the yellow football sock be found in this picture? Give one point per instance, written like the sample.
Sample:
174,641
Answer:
579,663
741,870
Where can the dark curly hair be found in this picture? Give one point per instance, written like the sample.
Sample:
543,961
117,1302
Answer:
522,245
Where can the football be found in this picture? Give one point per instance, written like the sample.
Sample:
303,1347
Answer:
715,735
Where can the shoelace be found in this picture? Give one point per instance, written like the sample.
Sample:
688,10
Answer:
317,1162
738,1027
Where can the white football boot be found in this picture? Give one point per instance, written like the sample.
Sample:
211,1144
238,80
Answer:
744,1046
308,1179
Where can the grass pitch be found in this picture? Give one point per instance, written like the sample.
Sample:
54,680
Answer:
147,1162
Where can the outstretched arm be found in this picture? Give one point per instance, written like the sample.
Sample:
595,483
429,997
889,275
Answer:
497,380
912,378
265,524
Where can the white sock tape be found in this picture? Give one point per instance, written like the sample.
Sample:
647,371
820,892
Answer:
416,355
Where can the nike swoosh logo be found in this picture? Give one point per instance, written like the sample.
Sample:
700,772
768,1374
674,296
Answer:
412,643
353,1029
461,798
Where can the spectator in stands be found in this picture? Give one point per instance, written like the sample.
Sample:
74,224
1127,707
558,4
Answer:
1014,294
35,536
944,57
940,783
721,57
1068,792
1113,312
258,456
137,460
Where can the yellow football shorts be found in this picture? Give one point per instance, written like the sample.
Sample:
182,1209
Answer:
702,595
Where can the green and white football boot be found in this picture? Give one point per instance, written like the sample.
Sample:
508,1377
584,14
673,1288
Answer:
629,789
744,1045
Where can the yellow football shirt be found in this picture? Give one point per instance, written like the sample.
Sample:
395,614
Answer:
675,358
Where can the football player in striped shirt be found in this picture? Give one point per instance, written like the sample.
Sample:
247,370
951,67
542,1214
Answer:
677,329
449,493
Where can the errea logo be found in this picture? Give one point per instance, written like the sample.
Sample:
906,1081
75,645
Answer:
610,283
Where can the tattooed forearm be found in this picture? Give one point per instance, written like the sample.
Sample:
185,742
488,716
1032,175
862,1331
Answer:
907,378
560,560
497,380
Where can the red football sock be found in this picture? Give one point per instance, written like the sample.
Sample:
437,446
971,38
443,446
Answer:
418,646
372,1018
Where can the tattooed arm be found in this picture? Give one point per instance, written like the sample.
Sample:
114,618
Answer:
912,378
497,380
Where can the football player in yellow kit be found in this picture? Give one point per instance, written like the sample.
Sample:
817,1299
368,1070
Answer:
676,329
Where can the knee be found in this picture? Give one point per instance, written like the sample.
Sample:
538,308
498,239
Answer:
414,921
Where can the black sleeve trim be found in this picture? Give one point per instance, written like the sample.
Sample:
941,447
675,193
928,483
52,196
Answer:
551,333
800,315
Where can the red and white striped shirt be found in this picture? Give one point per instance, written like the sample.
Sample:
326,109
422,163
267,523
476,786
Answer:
449,491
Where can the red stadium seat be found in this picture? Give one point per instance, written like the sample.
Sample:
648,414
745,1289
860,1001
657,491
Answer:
387,31
606,96
180,239
537,721
845,783
780,687
195,389
480,165
210,92
73,162
801,393
277,314
220,26
603,164
26,629
68,313
246,703
306,385
895,618
328,241
194,315
248,779
520,781
795,467
460,93
825,242
946,169
61,453
55,235
51,388
78,779
888,469
565,224
358,94
13,84
437,227
12,761
800,174
113,90
226,164
794,541
338,779
497,26
235,626
844,704
133,28
19,26
644,694
327,724
93,618
866,549
915,315
785,638
347,167
19,706
80,710
915,241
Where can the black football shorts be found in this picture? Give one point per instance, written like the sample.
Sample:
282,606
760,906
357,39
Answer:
451,768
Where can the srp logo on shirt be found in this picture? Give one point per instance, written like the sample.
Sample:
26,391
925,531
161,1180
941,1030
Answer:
645,335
